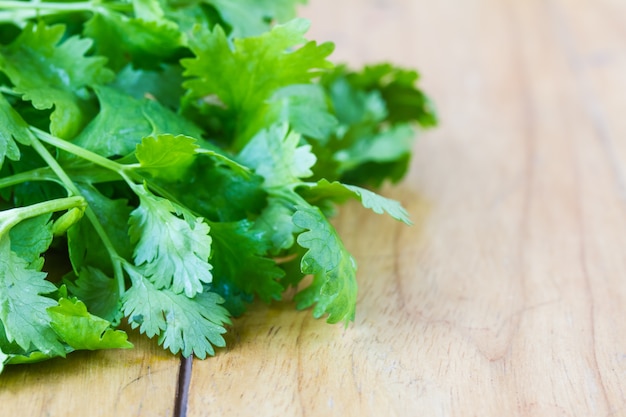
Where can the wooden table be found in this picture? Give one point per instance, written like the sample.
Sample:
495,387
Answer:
505,298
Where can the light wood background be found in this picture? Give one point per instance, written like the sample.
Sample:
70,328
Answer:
506,298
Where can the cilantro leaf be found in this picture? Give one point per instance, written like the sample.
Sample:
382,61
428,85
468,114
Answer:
378,110
275,225
183,324
137,40
11,353
162,84
238,259
163,120
339,192
85,248
275,154
174,252
219,193
12,128
397,86
100,293
253,17
31,237
166,155
334,287
3,359
22,305
236,301
237,81
81,330
52,72
305,108
121,120
125,120
388,145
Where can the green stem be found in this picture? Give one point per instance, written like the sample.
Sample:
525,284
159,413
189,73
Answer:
91,215
81,6
19,17
78,151
29,5
9,91
39,174
53,164
11,217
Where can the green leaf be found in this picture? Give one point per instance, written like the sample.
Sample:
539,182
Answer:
121,120
84,245
253,17
166,156
163,120
12,128
54,72
183,324
334,287
398,87
149,10
140,41
172,251
236,301
163,84
31,237
8,347
3,360
125,121
22,305
275,155
239,259
275,224
354,106
32,357
100,293
339,192
389,145
240,80
305,108
378,110
219,193
12,353
81,330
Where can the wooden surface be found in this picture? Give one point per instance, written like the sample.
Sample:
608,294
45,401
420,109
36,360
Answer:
506,298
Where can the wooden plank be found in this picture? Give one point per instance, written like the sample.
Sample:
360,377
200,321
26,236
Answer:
505,297
130,382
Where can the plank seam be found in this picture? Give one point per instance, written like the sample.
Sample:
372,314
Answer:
182,387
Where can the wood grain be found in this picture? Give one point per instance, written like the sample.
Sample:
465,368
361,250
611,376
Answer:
130,382
505,298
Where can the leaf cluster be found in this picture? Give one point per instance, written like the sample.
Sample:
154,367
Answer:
181,157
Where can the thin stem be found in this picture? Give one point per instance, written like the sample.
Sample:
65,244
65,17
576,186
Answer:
27,5
19,16
91,215
11,217
9,91
54,165
78,151
63,7
38,174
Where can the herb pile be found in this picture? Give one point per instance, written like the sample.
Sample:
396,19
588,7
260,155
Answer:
182,158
